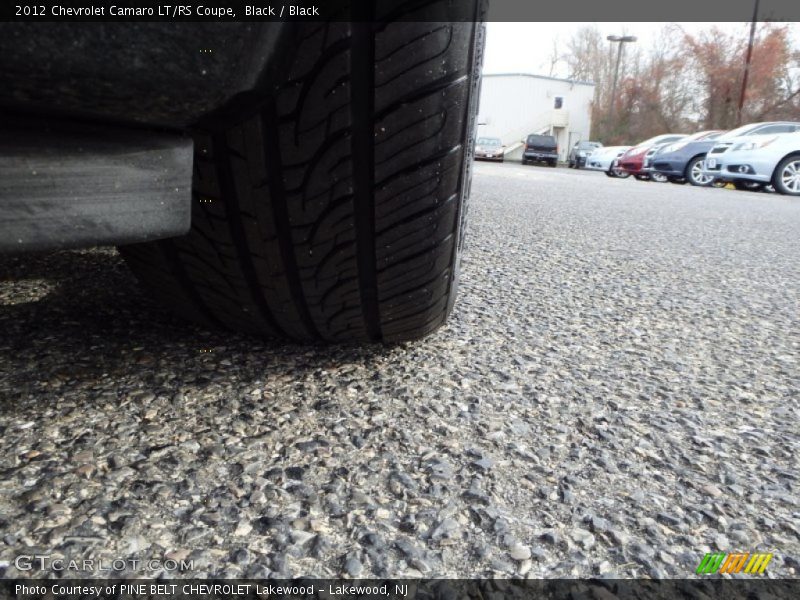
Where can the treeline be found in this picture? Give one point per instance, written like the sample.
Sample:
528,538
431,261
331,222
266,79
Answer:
686,82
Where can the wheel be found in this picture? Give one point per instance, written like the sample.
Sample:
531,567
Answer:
642,177
694,172
658,177
524,162
552,163
786,178
610,173
619,172
747,186
329,204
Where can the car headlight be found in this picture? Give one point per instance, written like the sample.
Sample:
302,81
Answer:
744,146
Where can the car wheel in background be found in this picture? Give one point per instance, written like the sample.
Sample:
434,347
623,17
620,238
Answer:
694,172
553,163
786,178
329,205
617,172
658,177
718,183
642,177
678,180
748,186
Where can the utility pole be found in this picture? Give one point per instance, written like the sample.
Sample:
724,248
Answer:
621,40
747,64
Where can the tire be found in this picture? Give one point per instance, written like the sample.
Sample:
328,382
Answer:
694,173
610,173
552,163
748,186
785,179
658,177
329,205
642,177
619,173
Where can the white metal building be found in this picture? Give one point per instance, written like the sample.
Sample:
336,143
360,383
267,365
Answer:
513,105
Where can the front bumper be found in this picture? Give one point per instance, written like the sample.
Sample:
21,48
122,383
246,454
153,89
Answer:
598,164
634,167
671,167
482,155
748,165
540,156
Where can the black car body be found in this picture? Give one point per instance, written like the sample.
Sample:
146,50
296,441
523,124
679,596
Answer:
579,152
540,148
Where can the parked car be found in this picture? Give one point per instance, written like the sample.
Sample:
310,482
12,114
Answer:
712,162
489,148
540,148
682,161
579,152
605,158
633,161
761,160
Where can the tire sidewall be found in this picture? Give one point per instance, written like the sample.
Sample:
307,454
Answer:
777,182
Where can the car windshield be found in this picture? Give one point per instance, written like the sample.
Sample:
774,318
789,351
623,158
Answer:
703,135
747,129
588,145
486,141
656,140
541,139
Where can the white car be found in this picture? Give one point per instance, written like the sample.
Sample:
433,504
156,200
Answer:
726,141
603,159
761,160
756,161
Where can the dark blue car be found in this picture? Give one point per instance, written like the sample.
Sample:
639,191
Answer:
683,161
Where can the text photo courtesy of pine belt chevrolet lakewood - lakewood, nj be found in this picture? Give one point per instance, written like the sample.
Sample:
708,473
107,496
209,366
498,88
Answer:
399,299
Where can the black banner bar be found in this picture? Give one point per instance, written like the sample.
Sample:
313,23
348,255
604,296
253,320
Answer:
401,589
418,10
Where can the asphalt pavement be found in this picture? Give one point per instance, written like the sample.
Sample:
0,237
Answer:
616,394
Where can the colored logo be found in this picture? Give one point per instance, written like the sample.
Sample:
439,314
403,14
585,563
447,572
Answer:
738,562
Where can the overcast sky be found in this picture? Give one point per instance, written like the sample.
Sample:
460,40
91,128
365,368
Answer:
526,47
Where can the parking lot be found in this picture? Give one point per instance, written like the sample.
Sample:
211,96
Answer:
616,394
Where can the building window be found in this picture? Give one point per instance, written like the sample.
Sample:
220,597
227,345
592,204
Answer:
559,101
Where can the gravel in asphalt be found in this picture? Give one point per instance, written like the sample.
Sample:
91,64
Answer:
616,394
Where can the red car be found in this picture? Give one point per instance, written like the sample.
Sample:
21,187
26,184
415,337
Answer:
633,161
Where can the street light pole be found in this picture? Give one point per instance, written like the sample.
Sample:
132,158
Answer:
621,40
